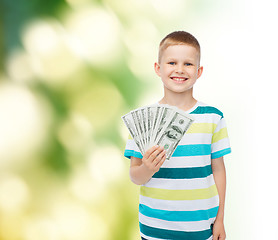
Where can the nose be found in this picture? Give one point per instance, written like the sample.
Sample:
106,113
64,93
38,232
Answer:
179,68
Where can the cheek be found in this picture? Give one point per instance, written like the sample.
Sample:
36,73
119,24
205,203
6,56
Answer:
193,74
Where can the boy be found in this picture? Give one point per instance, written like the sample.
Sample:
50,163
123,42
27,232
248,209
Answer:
187,202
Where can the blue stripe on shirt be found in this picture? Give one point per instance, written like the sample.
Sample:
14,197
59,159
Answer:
172,234
184,173
184,216
128,153
206,110
181,151
220,153
192,150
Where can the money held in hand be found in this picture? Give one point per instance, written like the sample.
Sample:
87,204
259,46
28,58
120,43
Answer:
158,124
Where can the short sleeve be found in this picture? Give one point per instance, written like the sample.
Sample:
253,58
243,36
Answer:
131,149
220,144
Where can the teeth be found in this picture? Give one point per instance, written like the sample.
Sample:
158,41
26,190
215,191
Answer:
179,79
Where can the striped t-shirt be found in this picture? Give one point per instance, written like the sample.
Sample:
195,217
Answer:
180,201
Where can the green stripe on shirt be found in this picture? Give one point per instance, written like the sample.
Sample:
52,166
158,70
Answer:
167,194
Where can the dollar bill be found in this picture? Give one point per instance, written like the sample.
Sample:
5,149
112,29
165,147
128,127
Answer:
166,116
149,115
174,132
136,118
141,127
129,122
157,124
153,115
144,126
157,119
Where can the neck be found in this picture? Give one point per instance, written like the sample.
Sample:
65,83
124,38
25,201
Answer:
184,101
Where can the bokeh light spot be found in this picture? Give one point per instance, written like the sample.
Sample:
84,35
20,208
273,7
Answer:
99,104
106,164
49,47
14,194
23,125
95,33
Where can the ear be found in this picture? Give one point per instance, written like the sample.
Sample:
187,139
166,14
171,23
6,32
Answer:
200,71
157,68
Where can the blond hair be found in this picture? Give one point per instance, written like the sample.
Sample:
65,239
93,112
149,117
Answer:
178,38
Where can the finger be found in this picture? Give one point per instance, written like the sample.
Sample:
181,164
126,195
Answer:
155,153
153,156
150,151
160,163
159,156
161,160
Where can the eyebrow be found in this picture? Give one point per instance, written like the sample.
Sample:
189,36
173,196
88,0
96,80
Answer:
173,59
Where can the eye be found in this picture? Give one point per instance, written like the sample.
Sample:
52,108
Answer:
188,64
171,63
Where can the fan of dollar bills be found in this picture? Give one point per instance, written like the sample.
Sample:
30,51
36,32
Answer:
157,124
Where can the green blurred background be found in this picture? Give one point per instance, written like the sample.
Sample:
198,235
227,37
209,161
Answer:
69,69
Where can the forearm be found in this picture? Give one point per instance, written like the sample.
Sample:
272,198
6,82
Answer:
219,174
140,174
220,181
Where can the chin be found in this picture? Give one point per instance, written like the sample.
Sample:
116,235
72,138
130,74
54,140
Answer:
178,90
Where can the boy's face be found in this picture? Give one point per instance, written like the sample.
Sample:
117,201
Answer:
179,68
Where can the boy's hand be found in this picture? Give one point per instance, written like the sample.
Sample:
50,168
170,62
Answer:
218,230
154,158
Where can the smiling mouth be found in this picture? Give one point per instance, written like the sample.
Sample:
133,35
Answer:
179,79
